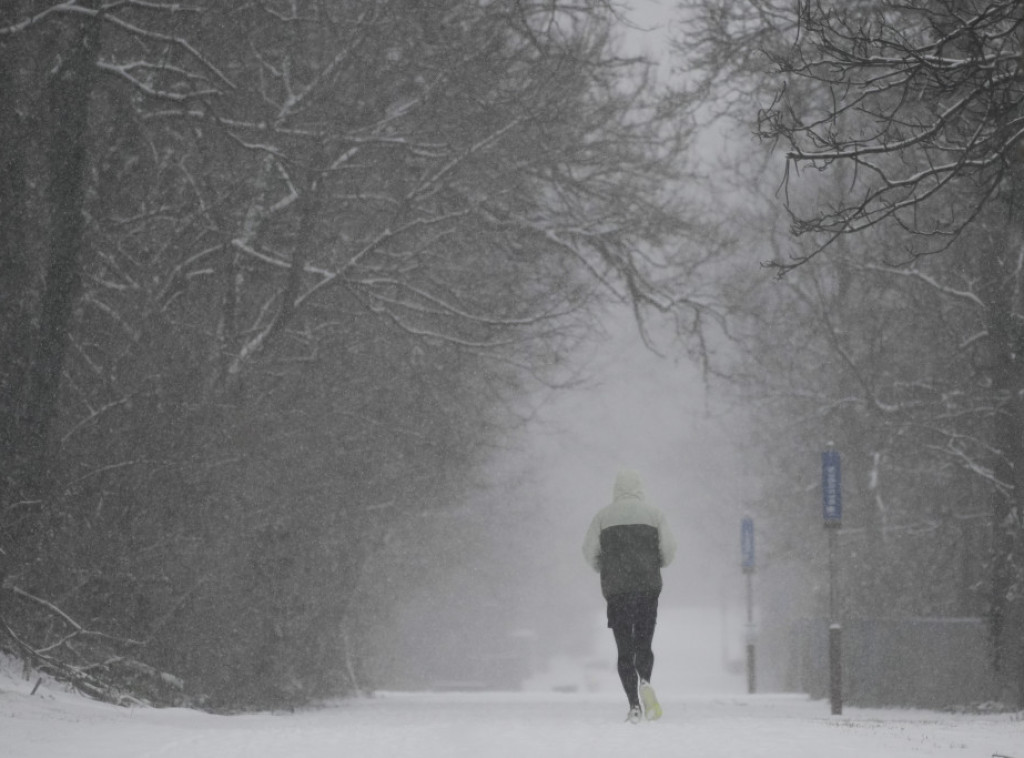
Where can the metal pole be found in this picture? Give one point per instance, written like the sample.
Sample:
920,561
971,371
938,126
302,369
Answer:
835,673
751,667
832,590
747,544
835,631
832,510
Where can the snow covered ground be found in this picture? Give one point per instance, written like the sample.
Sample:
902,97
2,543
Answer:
706,715
513,725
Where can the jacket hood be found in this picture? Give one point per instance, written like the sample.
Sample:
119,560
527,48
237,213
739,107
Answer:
628,487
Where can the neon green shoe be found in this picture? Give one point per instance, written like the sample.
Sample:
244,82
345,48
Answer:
652,708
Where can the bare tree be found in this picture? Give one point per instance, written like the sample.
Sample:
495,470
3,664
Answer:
916,108
925,106
319,247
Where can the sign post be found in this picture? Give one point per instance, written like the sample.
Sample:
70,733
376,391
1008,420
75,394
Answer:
747,547
832,511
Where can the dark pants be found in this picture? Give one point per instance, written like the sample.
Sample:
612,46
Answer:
632,618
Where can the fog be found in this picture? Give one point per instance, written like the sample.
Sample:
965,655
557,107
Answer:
655,415
296,402
501,595
511,595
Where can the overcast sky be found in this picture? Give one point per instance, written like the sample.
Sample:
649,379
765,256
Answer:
652,19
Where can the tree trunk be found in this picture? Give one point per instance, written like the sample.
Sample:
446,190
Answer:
15,267
69,94
1008,442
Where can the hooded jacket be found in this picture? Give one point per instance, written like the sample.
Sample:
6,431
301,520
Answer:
629,541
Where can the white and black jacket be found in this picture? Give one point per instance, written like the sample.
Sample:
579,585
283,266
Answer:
629,541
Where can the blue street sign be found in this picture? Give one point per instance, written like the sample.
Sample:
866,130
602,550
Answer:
747,543
831,488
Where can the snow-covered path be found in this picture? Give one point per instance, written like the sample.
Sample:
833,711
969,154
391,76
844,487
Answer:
513,725
707,715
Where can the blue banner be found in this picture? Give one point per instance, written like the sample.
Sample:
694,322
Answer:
747,543
831,488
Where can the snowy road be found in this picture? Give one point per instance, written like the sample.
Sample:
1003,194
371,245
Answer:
539,723
519,725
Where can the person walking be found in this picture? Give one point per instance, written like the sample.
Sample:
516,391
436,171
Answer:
628,543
